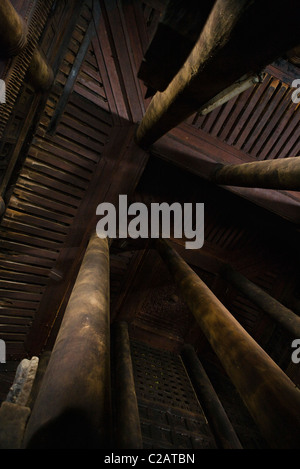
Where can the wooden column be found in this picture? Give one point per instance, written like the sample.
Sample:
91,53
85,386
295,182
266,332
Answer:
271,397
283,173
72,409
128,430
40,73
282,315
239,37
13,30
177,32
220,424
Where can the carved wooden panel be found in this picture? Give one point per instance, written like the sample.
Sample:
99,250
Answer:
170,414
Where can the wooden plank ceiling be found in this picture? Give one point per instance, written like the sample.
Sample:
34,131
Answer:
81,151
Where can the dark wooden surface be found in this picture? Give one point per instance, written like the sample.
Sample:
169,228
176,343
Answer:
92,157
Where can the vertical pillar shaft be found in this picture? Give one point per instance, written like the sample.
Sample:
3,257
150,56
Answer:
128,430
72,409
282,315
283,173
218,420
271,397
13,30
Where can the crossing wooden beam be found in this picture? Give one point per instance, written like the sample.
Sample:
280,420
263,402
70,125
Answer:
218,420
177,32
239,37
283,174
280,313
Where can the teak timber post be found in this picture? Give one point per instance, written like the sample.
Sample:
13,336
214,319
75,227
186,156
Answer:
128,429
283,173
40,74
278,312
270,396
72,409
13,30
218,420
239,37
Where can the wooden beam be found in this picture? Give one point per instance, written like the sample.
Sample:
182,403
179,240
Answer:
177,32
40,73
197,152
283,174
90,33
271,397
218,420
282,315
237,88
239,37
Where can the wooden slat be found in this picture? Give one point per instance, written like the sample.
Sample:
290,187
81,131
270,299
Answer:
46,202
25,263
21,209
31,239
70,152
13,312
79,139
61,164
16,226
262,130
22,277
27,249
20,286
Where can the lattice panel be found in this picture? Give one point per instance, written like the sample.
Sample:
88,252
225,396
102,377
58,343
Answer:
172,429
170,414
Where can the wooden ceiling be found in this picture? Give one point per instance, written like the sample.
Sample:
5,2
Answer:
76,148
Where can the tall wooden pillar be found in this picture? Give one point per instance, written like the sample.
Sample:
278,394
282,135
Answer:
128,429
283,173
72,409
220,424
13,30
271,397
282,315
40,73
